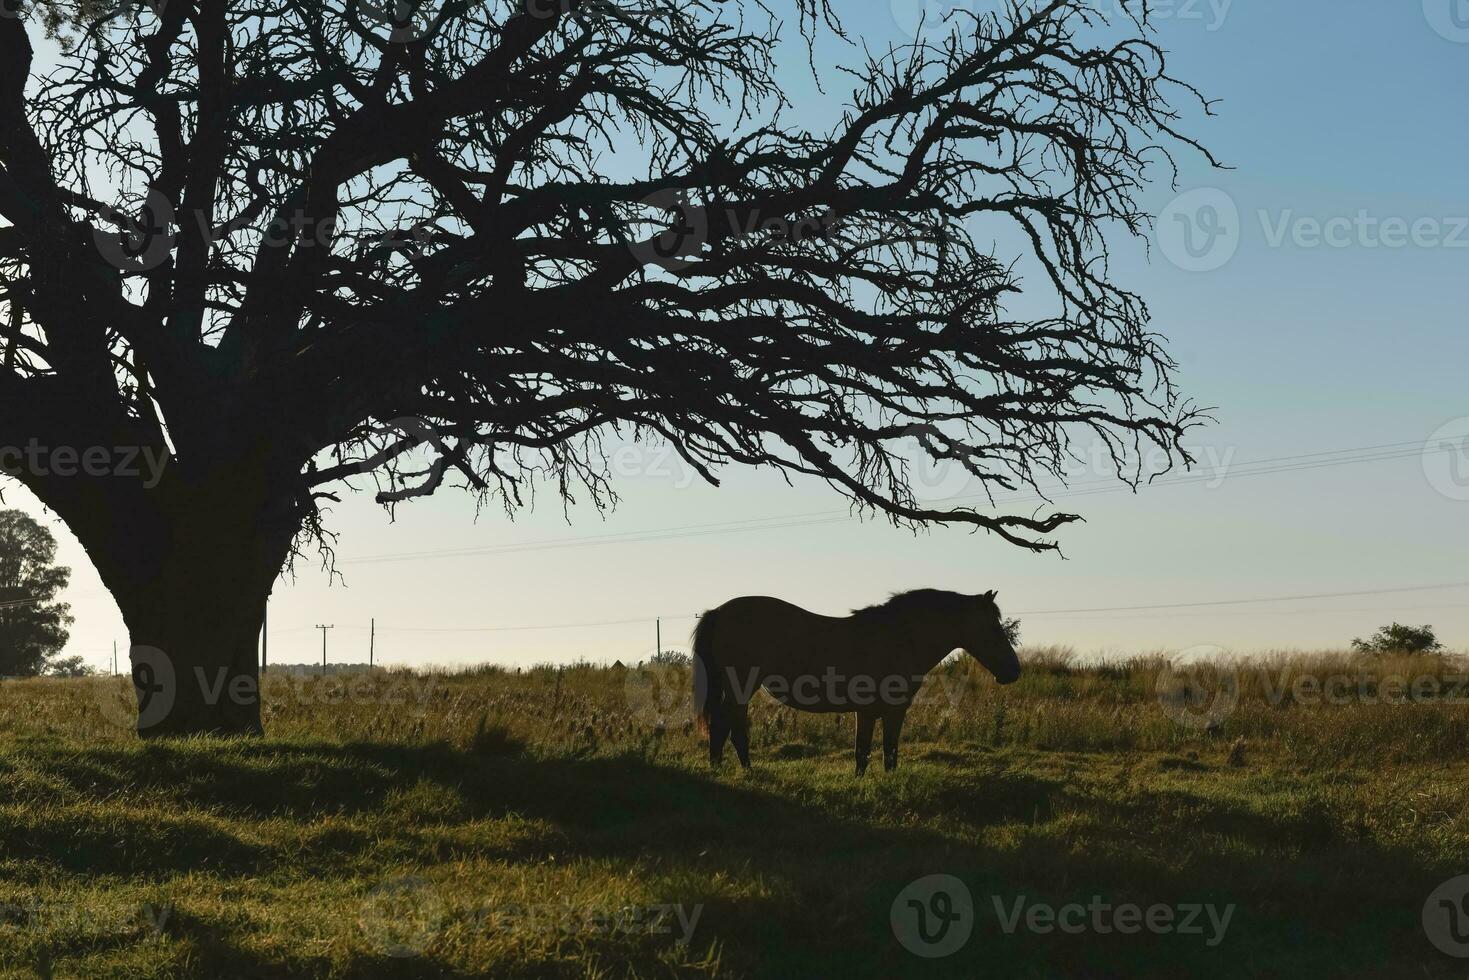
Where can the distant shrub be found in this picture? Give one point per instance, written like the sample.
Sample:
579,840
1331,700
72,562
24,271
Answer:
72,666
1398,638
670,658
1048,660
1011,627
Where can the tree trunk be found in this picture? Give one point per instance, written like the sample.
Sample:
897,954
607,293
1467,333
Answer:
194,654
188,535
194,616
191,562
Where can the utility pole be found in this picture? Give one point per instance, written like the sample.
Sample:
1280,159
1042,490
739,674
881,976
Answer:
323,645
114,658
265,637
371,641
658,649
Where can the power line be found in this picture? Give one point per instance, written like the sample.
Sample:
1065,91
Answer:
511,629
1241,602
1261,467
1128,618
1022,612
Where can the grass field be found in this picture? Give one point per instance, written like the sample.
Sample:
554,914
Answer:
544,823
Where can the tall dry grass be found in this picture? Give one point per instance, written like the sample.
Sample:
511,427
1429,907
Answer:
1320,706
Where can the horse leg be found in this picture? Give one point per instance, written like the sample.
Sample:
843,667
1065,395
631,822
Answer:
739,731
865,723
718,732
892,727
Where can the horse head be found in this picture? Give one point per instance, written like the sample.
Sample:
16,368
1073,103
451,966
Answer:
987,640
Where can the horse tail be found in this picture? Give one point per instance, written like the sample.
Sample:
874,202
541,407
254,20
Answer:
708,691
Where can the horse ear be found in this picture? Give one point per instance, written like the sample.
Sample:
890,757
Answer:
990,595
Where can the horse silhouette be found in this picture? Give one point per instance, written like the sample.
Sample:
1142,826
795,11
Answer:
872,662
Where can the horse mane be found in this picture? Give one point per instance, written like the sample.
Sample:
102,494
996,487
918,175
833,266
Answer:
915,601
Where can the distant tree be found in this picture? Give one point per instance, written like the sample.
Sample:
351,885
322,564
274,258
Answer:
72,666
1011,627
670,658
1398,638
33,626
250,251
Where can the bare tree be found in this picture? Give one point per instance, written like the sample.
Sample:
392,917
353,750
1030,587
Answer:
282,243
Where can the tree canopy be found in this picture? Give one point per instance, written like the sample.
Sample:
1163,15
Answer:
279,244
1397,638
33,624
320,222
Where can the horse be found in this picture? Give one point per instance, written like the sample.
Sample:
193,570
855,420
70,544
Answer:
872,662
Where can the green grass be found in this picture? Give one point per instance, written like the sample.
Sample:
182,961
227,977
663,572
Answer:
493,823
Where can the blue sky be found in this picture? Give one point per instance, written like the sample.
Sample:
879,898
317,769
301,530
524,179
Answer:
1328,110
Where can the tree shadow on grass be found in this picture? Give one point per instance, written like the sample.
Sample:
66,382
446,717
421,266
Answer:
823,878
90,843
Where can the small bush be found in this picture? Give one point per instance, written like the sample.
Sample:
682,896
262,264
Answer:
73,666
1398,638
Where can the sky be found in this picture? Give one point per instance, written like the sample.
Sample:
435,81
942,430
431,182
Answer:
1315,294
